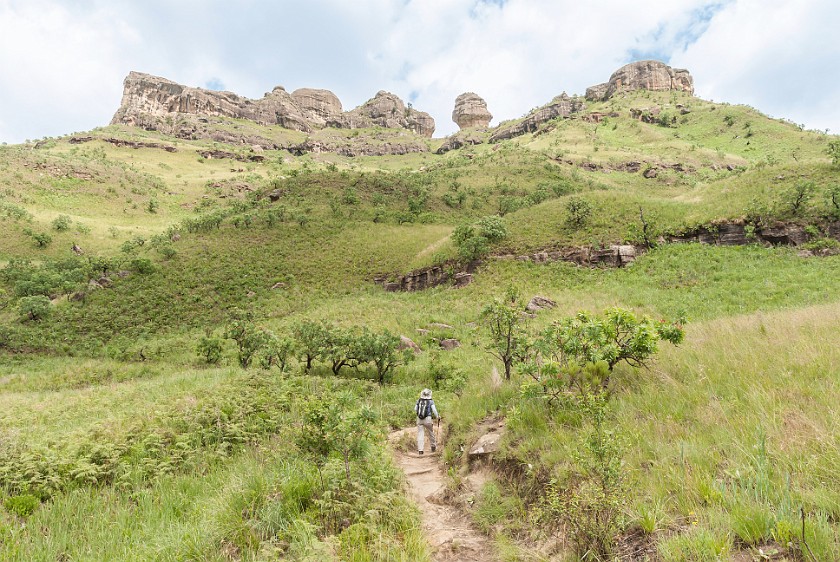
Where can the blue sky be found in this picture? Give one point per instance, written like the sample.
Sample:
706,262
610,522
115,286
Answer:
62,62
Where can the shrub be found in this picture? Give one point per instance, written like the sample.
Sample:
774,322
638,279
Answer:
579,353
579,210
209,348
23,505
142,265
61,223
473,240
592,506
42,239
796,198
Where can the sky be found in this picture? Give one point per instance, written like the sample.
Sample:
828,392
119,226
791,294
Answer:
62,62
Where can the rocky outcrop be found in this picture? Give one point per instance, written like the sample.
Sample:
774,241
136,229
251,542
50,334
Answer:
460,139
561,106
616,255
147,98
471,111
359,147
151,102
317,106
643,75
124,143
386,110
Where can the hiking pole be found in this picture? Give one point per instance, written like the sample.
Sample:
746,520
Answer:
439,434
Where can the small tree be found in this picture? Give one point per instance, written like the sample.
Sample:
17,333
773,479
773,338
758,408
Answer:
579,210
35,307
832,196
249,339
209,348
276,351
310,337
382,350
507,338
795,198
337,347
333,424
42,239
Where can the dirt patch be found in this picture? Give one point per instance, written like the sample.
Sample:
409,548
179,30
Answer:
449,532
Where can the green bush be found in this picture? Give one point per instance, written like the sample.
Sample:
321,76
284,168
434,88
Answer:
23,505
34,308
579,210
61,223
474,240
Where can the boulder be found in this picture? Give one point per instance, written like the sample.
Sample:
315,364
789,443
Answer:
488,443
440,326
463,279
471,111
643,75
539,303
449,344
407,343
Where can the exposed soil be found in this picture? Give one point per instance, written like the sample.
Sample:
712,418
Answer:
448,530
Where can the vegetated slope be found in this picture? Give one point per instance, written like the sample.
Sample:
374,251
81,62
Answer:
110,412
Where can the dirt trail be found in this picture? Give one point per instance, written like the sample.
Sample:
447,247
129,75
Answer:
449,532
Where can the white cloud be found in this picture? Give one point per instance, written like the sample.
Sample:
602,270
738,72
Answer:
780,57
62,62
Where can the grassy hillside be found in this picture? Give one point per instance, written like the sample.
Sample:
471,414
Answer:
119,440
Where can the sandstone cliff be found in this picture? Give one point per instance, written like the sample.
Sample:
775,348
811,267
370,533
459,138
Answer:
643,75
149,100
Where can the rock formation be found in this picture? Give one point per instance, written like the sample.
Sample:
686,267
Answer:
386,110
643,75
317,106
148,101
471,111
561,106
147,98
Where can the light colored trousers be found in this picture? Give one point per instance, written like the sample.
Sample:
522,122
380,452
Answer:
425,426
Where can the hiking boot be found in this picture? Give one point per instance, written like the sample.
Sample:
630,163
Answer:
419,452
434,448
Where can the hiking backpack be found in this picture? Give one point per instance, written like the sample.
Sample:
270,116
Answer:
424,408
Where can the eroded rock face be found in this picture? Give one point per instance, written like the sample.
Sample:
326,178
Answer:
561,106
387,110
643,75
317,106
147,97
149,101
471,111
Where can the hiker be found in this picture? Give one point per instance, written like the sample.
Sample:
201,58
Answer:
425,409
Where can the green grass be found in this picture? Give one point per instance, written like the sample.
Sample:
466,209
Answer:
117,443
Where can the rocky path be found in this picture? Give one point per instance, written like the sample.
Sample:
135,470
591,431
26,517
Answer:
449,532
